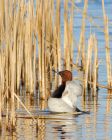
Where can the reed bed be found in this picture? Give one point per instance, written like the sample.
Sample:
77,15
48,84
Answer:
31,46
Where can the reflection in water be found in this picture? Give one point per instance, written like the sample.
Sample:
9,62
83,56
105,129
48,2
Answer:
96,125
41,129
62,129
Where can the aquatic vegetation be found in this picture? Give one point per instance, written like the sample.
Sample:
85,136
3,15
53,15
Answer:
31,46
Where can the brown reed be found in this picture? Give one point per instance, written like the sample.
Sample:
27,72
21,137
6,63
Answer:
68,35
91,69
89,52
81,48
107,46
95,65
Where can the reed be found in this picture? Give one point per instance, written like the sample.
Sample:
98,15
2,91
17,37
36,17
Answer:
81,48
107,46
57,25
89,52
91,69
57,40
12,75
95,66
2,80
44,32
68,35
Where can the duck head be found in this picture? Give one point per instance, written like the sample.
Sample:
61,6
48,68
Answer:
66,75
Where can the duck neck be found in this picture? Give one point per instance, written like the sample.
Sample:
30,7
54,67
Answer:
63,83
59,91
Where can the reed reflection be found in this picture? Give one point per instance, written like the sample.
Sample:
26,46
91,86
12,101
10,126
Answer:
41,128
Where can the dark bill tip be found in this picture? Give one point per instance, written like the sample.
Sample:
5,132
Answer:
55,71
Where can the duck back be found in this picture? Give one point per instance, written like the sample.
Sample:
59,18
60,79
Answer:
58,105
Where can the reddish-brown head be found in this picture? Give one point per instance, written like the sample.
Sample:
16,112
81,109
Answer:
66,75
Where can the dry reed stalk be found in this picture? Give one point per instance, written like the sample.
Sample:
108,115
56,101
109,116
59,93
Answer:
95,68
91,69
7,83
48,46
2,70
88,61
16,48
19,44
41,23
28,50
6,32
21,47
107,47
55,56
81,48
34,64
43,94
39,33
13,66
12,79
1,85
58,6
56,45
68,36
71,32
2,15
33,46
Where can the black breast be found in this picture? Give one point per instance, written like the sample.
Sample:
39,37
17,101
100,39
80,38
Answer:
58,92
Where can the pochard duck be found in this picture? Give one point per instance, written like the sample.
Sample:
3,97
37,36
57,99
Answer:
64,98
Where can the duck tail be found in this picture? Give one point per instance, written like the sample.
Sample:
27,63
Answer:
84,112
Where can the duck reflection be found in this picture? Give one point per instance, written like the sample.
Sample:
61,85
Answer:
66,128
61,130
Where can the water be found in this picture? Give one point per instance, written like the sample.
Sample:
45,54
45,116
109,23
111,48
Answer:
94,126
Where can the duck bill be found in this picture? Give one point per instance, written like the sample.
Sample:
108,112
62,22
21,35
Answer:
55,71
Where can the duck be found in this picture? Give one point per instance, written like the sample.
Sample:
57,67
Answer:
64,98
